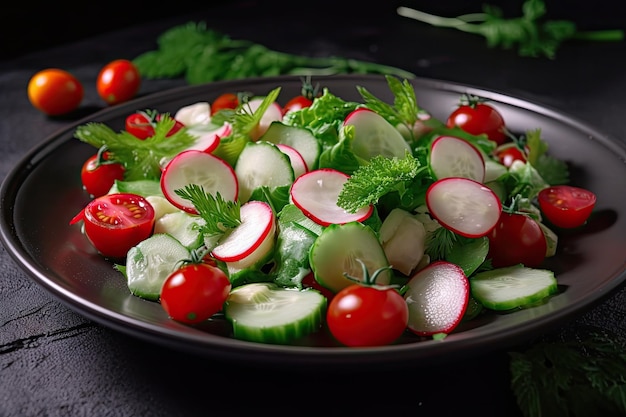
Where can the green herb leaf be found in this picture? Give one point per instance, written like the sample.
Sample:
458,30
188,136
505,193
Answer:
220,215
202,55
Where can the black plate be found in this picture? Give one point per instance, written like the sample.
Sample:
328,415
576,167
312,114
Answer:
590,263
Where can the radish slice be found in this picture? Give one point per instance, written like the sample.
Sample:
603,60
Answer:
273,113
464,206
257,224
208,140
374,135
316,194
455,157
437,297
213,174
295,157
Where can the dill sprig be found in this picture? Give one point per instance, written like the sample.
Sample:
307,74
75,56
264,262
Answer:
220,215
533,35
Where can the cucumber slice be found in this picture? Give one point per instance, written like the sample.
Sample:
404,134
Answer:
336,251
512,287
183,226
262,164
150,262
267,313
299,138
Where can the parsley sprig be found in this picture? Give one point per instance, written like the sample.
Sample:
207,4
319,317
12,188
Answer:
219,215
141,158
202,55
533,35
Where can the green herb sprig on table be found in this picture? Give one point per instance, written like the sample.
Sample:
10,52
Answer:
201,55
533,35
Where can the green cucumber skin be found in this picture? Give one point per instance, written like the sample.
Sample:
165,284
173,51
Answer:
494,289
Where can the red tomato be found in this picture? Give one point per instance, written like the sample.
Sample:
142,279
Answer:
297,103
517,238
114,223
225,101
509,153
141,124
55,92
195,292
98,174
364,315
566,206
118,81
476,117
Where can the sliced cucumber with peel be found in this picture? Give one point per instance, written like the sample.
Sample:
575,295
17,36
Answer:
299,138
267,313
335,253
513,287
150,262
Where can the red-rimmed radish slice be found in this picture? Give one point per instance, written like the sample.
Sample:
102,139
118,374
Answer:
374,135
209,140
297,162
273,113
437,297
316,193
257,226
464,206
213,174
455,157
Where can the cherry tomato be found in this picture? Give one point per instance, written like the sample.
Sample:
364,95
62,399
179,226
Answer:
517,238
297,103
99,174
224,101
509,153
114,223
141,124
195,292
477,117
367,315
566,206
55,92
118,81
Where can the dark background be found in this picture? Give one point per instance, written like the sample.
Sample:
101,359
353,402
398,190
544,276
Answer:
29,27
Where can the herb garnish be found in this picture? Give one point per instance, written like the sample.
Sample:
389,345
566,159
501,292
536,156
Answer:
202,55
532,35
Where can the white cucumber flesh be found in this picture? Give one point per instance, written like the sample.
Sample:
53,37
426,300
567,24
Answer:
183,226
336,252
149,263
262,164
513,287
299,138
268,313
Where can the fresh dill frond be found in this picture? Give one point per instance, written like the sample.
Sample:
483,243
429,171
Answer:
220,215
439,243
379,177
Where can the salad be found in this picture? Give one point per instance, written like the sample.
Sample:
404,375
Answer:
368,221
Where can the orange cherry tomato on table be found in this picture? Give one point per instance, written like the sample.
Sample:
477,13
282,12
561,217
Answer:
118,81
566,206
55,92
195,292
476,117
98,174
114,223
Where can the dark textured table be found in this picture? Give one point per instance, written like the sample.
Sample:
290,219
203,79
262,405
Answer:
55,362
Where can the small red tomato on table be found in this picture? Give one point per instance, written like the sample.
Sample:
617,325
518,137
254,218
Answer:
55,91
118,81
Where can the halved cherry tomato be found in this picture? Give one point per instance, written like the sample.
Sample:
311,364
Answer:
365,315
224,101
476,117
566,206
114,223
118,81
98,174
55,92
517,238
195,292
141,124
